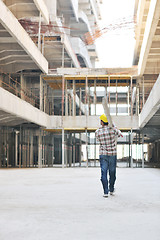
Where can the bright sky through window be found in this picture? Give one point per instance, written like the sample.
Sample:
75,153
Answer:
115,47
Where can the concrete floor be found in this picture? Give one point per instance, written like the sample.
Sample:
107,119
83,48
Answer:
67,204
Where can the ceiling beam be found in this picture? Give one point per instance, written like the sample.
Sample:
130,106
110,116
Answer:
40,4
151,24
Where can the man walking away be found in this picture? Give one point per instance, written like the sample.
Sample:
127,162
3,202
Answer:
107,137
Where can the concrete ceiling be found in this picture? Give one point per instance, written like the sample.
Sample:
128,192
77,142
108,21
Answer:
22,8
27,8
147,47
55,54
7,119
58,54
14,54
65,7
155,120
13,57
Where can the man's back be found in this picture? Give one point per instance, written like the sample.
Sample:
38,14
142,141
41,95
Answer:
107,137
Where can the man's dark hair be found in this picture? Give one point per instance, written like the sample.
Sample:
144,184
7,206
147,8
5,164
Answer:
105,123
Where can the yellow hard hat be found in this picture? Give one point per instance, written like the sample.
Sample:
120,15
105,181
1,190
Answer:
103,118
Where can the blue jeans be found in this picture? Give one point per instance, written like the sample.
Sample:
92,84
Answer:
108,163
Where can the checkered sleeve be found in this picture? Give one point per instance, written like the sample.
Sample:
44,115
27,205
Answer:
117,131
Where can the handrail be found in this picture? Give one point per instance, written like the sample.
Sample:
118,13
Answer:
22,91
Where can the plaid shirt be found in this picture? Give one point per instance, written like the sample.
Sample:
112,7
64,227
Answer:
107,138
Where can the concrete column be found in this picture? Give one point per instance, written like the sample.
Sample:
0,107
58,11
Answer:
86,96
95,97
66,99
23,148
63,85
40,149
70,105
128,101
41,93
74,149
20,147
131,97
16,148
139,142
52,102
28,148
4,147
70,150
31,150
150,147
86,148
122,151
7,144
1,153
74,99
44,149
65,152
131,149
156,145
45,98
95,151
53,158
80,101
89,105
63,56
158,151
138,99
142,150
136,149
63,148
116,99
80,149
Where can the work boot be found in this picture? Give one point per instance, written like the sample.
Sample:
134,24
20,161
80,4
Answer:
112,193
105,195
